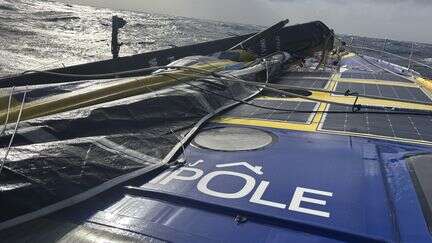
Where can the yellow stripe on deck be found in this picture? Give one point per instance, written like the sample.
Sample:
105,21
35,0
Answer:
425,83
265,123
103,93
349,100
338,78
307,127
349,55
317,121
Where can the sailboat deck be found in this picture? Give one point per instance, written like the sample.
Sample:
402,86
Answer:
379,88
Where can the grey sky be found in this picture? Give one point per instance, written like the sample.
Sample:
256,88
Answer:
396,19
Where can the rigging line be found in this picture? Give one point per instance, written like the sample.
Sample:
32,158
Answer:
170,129
183,146
284,86
317,100
303,111
118,180
265,86
324,53
382,68
115,74
14,132
411,55
259,60
312,112
258,84
267,71
105,75
202,71
8,112
392,54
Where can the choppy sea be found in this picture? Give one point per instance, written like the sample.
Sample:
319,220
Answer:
36,34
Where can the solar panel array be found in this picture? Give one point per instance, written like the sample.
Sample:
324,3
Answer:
309,80
320,74
247,111
396,126
375,76
386,91
308,83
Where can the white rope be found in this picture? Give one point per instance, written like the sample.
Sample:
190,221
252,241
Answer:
8,111
267,71
14,132
183,147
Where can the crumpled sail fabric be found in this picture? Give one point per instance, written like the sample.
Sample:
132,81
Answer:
58,156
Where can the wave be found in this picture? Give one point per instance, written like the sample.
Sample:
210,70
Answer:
47,31
7,7
57,19
7,30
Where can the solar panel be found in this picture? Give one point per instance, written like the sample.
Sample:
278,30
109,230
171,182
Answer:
320,74
386,91
374,76
247,111
396,126
307,83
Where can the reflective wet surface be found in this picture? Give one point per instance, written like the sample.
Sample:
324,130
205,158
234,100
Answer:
41,34
37,34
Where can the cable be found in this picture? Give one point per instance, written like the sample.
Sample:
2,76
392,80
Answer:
382,68
309,112
118,180
8,112
298,111
3,161
217,76
265,86
105,75
283,86
392,54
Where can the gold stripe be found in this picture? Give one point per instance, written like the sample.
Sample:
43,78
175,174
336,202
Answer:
103,93
376,81
349,55
311,127
337,77
314,126
266,123
425,83
307,128
349,100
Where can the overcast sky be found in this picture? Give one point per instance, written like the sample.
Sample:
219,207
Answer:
395,19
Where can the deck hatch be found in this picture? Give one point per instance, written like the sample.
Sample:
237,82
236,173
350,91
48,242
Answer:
247,111
395,126
386,91
233,139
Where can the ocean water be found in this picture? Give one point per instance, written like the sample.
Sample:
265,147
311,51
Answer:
37,34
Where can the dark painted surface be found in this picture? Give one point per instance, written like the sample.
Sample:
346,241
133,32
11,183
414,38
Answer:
372,195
